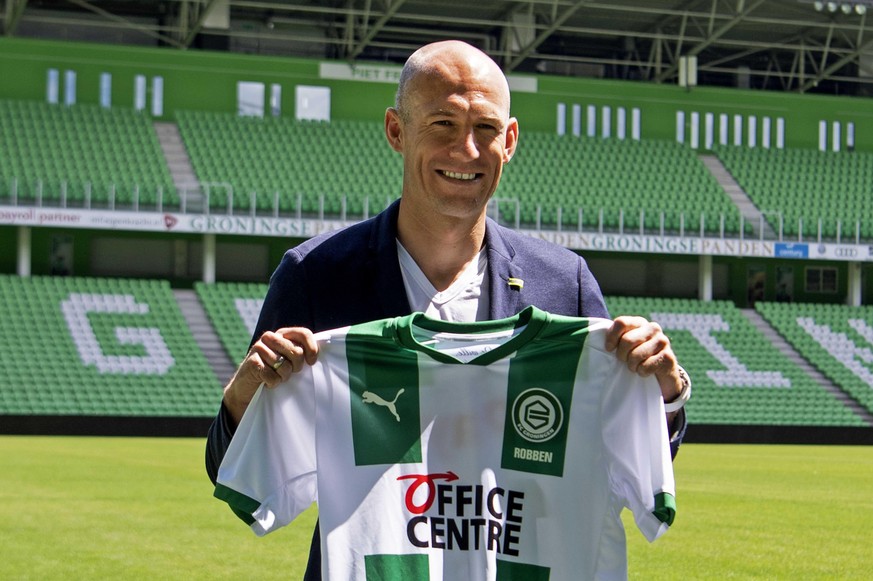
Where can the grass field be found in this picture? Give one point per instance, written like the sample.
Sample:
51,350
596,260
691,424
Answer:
131,508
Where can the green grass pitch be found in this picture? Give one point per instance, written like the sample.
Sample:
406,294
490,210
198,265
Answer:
138,508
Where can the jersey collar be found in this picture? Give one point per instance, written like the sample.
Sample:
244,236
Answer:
531,320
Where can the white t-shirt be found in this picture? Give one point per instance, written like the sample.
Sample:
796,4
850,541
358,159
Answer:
478,451
465,300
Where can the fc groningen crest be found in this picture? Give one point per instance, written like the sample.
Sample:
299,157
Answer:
538,400
537,415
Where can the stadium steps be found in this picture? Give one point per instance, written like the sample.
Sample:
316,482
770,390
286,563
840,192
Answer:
738,196
205,334
179,163
780,343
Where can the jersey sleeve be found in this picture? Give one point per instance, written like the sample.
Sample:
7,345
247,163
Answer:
636,441
268,475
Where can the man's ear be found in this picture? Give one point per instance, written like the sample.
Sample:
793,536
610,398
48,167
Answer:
394,129
511,140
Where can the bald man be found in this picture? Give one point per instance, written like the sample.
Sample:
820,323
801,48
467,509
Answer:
434,250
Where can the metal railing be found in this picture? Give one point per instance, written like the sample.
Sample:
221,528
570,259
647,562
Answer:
220,198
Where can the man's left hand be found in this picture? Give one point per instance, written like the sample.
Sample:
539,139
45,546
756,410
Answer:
643,346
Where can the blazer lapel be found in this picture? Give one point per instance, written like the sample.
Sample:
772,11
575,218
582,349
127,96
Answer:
387,280
505,279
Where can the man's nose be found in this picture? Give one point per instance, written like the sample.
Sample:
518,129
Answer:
466,145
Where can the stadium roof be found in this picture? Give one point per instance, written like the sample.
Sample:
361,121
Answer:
783,45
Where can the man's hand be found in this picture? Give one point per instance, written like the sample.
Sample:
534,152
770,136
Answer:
271,360
646,350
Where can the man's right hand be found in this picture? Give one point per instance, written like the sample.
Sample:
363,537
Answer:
271,360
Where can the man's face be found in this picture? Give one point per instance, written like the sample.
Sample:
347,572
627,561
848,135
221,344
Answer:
455,137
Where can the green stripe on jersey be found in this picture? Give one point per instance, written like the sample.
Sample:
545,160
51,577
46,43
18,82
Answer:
242,506
383,382
510,571
538,399
665,507
396,567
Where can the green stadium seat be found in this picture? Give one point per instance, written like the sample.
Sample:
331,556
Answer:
276,155
836,339
111,347
739,376
233,309
617,176
804,186
52,149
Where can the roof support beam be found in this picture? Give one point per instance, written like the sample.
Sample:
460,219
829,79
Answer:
126,23
834,67
391,10
195,30
559,20
742,12
13,12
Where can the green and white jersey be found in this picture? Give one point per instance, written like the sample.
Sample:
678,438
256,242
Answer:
485,451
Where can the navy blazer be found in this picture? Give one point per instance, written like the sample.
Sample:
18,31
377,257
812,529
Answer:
353,276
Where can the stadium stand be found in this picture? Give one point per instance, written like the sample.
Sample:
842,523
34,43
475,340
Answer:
99,347
643,179
836,339
233,309
739,376
120,347
81,154
78,348
316,166
804,186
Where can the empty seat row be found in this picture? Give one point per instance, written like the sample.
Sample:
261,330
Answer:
739,376
803,190
81,154
99,347
122,347
836,339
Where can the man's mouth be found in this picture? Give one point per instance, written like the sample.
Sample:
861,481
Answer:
459,176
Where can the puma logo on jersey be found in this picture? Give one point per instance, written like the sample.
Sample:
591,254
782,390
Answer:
370,397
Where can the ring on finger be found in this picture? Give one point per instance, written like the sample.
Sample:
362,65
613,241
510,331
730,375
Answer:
279,362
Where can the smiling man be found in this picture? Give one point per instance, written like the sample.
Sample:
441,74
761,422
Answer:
452,126
434,250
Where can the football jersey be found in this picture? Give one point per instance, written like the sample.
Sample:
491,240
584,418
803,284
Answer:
490,450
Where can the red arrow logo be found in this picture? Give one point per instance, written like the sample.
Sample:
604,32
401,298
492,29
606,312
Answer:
427,480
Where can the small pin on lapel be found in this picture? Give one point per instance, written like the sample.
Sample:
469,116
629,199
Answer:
516,283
